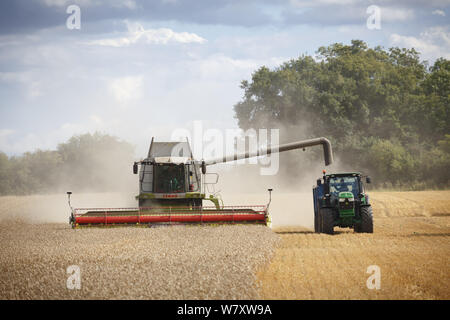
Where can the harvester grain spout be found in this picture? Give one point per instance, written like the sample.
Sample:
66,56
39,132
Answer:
172,188
327,151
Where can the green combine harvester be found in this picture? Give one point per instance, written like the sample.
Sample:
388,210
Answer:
340,200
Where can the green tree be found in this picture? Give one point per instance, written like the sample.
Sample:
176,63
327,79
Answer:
365,100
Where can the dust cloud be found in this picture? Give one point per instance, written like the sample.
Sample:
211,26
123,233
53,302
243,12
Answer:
94,164
292,200
105,180
55,208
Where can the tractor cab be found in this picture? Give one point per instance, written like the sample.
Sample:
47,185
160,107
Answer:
345,187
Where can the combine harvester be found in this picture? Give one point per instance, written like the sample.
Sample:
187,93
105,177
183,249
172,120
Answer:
172,188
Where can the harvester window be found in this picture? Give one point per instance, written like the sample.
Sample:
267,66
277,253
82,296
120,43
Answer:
169,178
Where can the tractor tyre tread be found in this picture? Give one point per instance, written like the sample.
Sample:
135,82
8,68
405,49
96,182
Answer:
326,221
366,220
316,222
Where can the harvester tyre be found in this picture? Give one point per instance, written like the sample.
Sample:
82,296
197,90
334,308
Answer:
326,221
366,220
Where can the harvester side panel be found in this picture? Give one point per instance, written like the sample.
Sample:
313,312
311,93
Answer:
146,178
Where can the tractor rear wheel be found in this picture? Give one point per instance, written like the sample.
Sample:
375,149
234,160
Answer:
326,221
366,225
316,222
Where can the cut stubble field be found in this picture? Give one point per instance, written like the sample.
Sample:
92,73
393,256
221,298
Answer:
410,245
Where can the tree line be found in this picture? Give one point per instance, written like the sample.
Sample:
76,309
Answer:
88,162
385,111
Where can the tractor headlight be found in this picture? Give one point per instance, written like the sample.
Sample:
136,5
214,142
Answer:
349,199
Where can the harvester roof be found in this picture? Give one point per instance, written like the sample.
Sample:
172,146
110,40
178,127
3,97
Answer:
166,151
174,160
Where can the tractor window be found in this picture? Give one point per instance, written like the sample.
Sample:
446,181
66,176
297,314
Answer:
169,178
341,184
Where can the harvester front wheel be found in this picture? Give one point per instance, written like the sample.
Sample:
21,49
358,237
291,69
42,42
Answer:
196,204
326,221
366,220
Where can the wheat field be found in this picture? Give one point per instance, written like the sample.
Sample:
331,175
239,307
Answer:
37,245
410,245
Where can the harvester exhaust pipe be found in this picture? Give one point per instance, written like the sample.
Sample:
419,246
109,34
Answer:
71,218
270,197
327,151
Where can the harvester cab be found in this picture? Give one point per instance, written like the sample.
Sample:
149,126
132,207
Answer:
173,186
169,176
341,200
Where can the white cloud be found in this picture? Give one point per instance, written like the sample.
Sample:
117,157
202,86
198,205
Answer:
438,12
34,87
222,67
16,145
432,43
15,142
390,14
126,89
64,3
130,4
315,3
137,33
5,132
93,123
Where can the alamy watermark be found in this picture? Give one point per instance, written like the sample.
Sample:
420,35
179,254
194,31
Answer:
373,22
74,20
74,280
374,281
224,146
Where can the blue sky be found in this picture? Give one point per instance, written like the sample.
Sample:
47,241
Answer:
137,69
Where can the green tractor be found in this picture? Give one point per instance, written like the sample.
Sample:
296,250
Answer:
340,200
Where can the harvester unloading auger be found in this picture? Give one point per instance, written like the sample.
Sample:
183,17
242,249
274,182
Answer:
172,189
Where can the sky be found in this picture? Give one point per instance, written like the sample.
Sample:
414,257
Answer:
137,69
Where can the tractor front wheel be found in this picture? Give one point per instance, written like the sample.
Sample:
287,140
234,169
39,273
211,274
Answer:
326,221
366,225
